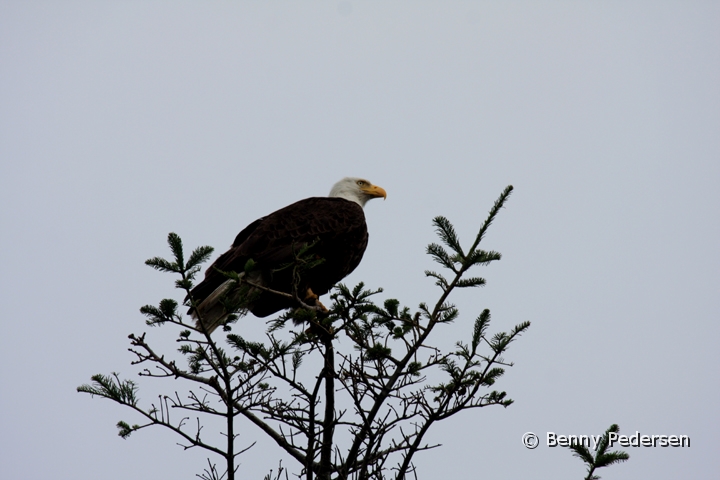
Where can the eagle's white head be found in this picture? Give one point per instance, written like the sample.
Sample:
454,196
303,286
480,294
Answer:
357,190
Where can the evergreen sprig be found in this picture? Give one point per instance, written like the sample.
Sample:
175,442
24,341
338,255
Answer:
602,457
110,386
446,232
458,262
480,327
187,271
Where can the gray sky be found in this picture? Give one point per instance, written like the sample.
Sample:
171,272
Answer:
123,121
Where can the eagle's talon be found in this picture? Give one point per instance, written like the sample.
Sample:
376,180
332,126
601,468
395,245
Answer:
310,295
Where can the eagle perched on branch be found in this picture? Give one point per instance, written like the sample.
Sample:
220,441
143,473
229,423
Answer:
330,229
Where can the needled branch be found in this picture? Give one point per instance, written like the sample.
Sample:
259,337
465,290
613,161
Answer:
602,457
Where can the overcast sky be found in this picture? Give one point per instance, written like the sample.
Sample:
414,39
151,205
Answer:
123,121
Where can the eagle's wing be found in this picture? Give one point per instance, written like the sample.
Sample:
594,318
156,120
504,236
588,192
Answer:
337,225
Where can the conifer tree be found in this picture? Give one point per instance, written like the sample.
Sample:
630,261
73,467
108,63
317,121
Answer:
357,409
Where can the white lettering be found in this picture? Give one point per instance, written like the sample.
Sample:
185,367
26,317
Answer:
614,438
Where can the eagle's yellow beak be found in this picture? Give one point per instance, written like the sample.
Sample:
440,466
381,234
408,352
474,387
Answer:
374,191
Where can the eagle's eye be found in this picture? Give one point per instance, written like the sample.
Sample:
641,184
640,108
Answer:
361,183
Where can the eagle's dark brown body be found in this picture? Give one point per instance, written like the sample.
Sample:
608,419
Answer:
336,225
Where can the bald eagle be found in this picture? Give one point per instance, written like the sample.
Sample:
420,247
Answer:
330,229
